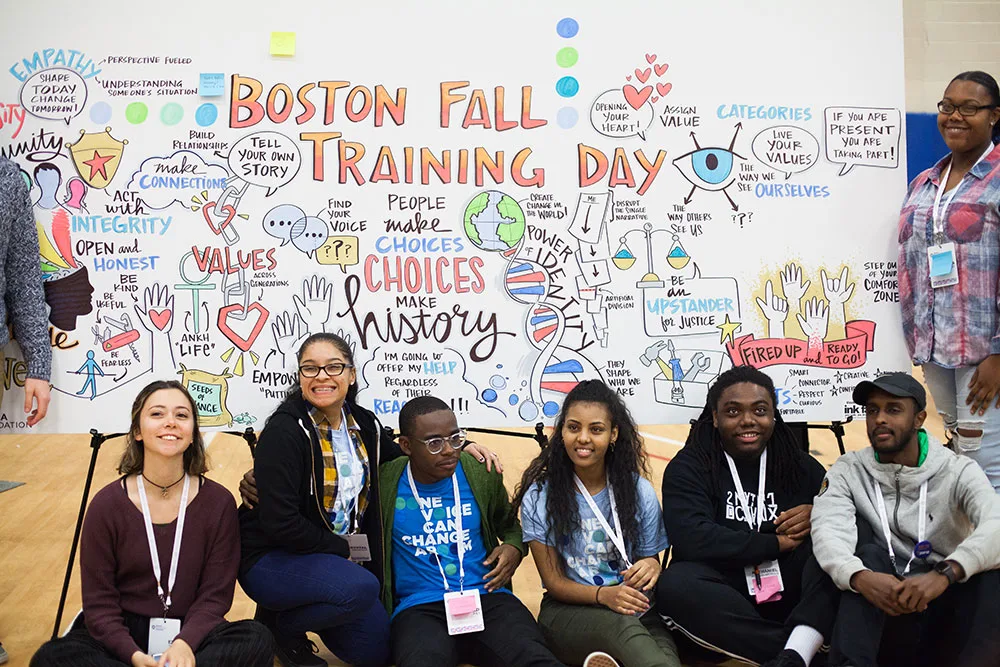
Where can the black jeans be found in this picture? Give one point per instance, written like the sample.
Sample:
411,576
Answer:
961,628
420,637
239,644
714,609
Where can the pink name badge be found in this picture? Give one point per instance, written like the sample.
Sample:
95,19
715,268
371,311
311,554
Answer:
770,590
461,606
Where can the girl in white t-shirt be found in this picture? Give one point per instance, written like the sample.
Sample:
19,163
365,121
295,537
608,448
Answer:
595,530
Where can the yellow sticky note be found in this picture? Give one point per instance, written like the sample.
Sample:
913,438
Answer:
282,43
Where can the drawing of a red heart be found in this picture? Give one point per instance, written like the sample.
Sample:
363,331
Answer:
642,74
227,209
660,69
160,318
636,98
628,77
663,88
239,341
650,57
654,99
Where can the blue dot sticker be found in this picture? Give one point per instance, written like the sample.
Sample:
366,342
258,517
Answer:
567,86
567,28
100,113
567,117
206,114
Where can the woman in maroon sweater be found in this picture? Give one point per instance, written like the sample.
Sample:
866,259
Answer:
135,613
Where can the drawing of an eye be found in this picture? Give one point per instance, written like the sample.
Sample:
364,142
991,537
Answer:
709,168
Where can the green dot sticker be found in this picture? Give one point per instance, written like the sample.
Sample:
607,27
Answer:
439,513
171,113
598,536
400,504
450,568
567,56
136,113
411,504
345,470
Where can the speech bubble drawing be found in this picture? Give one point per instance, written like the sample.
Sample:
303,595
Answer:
57,93
389,382
341,251
786,148
177,178
612,116
279,221
309,233
267,159
866,136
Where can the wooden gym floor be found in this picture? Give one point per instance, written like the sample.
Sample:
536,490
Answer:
37,519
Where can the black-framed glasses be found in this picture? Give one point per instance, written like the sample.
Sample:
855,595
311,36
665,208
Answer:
332,370
947,108
436,445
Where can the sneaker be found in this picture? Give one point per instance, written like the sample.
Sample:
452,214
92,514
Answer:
600,659
3,655
299,652
787,658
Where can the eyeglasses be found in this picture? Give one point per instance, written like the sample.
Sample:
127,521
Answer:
436,445
947,108
332,370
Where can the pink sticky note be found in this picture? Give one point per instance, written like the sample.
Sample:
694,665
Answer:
770,590
461,606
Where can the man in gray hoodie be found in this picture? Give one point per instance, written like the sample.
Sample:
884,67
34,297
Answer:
910,532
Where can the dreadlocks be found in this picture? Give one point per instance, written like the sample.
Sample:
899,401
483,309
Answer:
786,461
622,462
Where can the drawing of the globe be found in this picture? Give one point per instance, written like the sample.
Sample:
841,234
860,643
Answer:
494,221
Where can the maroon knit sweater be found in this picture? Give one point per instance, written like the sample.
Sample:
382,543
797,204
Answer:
117,573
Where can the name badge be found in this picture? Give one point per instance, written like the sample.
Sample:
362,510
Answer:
464,612
358,544
162,631
943,266
764,581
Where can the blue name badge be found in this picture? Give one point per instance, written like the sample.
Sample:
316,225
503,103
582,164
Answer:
942,264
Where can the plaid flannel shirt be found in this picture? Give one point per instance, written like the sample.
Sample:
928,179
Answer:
330,478
952,326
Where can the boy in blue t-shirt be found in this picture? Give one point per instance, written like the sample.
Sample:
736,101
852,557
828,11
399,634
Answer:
444,516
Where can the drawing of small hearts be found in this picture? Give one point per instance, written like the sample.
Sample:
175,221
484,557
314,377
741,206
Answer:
660,69
160,318
636,98
650,57
664,88
628,77
642,74
654,99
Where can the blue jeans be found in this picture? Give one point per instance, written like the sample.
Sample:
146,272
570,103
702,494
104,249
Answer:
950,389
325,594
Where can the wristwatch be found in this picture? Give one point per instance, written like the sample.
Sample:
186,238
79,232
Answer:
945,568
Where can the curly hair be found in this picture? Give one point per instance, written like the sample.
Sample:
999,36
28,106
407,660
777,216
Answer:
625,459
786,461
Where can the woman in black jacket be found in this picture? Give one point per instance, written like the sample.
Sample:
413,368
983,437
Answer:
312,543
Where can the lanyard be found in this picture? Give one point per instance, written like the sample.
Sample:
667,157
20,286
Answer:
939,213
741,494
349,505
921,523
616,535
459,538
153,552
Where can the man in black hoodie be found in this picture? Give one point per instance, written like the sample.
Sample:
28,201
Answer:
736,503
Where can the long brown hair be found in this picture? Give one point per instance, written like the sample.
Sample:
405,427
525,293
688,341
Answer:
195,460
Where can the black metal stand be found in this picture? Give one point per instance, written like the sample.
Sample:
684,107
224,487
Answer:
538,436
838,431
96,440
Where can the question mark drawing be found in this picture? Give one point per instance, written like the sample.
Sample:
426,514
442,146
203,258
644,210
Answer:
337,245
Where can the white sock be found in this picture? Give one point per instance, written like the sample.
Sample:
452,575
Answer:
805,641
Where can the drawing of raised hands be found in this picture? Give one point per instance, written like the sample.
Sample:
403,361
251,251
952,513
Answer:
838,292
814,324
316,303
775,309
792,285
289,334
156,314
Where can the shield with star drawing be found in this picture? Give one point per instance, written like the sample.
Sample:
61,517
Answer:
97,156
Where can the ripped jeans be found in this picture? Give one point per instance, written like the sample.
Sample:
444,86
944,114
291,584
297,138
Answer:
950,389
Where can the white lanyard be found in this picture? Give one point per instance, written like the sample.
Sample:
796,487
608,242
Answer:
741,494
153,552
459,538
939,213
921,523
350,506
616,535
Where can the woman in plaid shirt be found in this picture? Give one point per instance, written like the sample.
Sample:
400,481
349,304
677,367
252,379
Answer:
949,270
